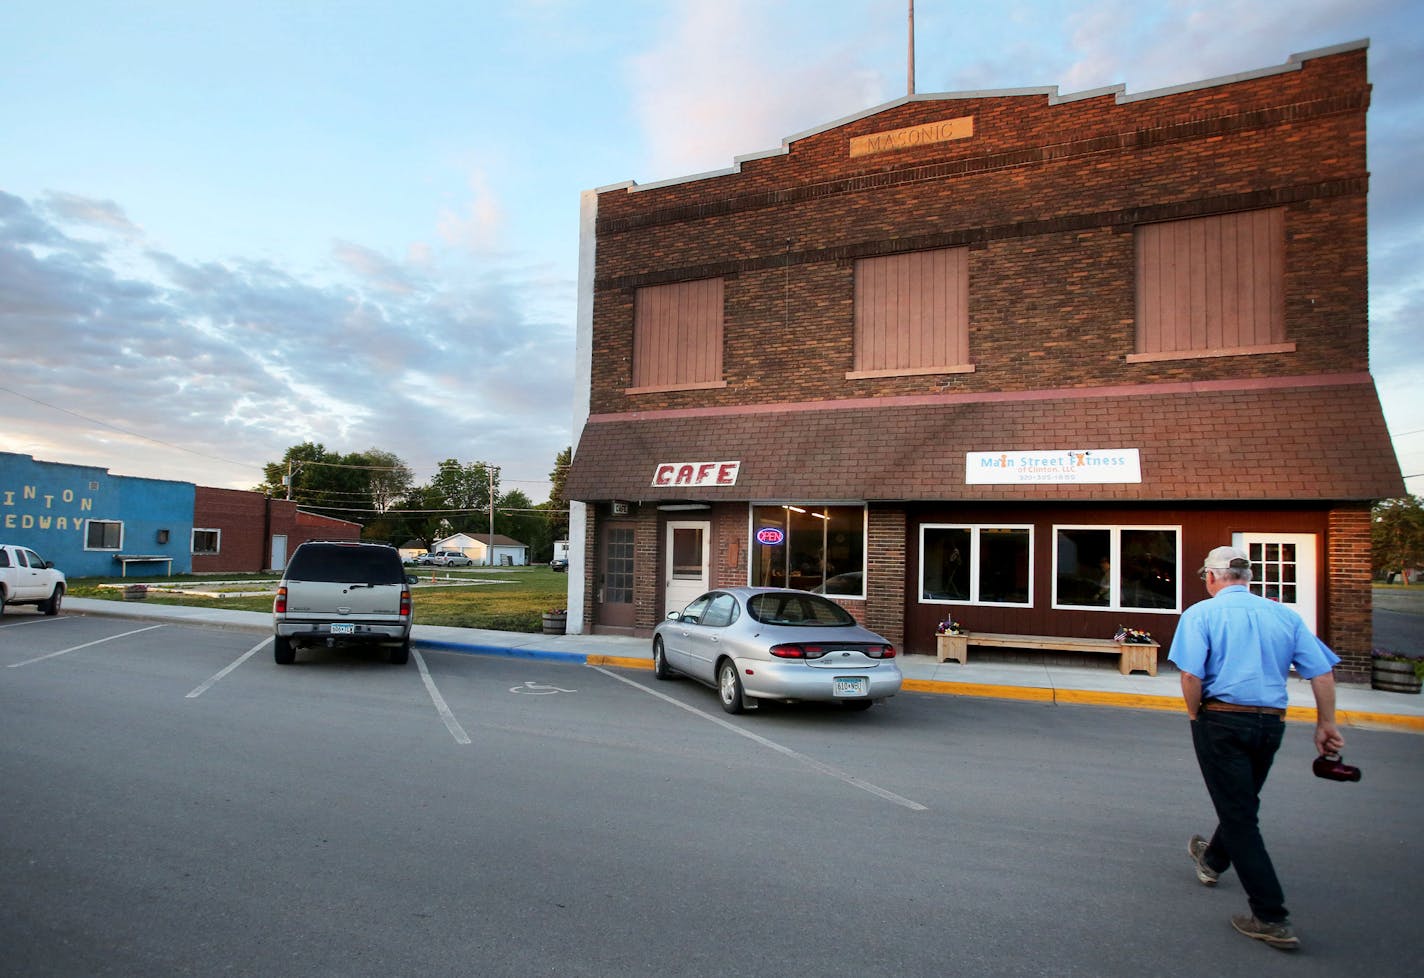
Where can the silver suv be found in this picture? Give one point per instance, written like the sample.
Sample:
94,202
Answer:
339,593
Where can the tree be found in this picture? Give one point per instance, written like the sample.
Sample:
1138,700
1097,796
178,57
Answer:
390,478
467,488
557,510
517,517
357,487
1397,536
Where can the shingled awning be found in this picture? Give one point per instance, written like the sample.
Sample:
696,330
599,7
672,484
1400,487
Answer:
1319,438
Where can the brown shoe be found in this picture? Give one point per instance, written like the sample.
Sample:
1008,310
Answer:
1279,935
1196,848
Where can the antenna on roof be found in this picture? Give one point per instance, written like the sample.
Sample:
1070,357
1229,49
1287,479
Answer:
910,85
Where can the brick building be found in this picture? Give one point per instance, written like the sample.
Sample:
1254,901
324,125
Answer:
93,523
236,531
1010,356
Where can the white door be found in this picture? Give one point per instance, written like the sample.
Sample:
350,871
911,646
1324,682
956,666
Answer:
279,551
687,564
1283,569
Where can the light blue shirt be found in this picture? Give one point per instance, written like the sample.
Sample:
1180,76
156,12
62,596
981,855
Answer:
1242,646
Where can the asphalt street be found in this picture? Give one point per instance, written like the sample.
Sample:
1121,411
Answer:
177,804
1399,619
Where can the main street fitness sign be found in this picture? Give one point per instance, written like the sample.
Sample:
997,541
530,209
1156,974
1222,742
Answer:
1076,467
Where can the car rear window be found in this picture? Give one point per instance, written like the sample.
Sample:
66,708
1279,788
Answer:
346,565
786,608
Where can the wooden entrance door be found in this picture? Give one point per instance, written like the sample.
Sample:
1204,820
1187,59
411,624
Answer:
614,596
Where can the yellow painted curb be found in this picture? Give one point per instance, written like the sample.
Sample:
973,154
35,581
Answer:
619,662
1386,721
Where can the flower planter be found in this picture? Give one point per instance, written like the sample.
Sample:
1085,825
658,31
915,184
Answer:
1394,677
556,622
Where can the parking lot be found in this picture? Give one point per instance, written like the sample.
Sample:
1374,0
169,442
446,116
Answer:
177,804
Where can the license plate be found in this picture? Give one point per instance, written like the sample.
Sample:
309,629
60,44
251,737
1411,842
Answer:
851,686
343,629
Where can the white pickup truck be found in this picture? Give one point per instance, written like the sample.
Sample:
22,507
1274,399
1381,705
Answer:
27,578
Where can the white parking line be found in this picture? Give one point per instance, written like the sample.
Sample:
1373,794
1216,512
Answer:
451,724
810,762
98,641
227,669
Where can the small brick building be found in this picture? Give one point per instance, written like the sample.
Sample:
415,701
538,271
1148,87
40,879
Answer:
1014,357
237,531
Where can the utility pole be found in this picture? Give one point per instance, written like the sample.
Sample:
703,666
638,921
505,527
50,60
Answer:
493,472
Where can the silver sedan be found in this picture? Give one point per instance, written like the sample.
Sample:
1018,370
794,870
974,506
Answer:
753,643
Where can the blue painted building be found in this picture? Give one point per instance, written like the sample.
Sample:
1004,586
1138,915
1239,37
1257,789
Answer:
94,524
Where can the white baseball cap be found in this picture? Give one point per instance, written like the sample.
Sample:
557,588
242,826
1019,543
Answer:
1226,558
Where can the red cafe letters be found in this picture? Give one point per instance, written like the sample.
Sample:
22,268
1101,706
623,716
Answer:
668,474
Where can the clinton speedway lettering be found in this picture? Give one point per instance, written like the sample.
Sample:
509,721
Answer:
36,510
668,474
1072,466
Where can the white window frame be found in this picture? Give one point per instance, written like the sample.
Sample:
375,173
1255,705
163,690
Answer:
974,555
91,522
193,542
1115,531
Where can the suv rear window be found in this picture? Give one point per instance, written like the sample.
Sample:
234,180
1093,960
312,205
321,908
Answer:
345,564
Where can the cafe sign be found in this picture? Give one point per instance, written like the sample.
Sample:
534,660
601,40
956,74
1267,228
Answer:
692,474
1078,466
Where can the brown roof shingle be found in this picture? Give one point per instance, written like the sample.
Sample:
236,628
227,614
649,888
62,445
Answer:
1255,441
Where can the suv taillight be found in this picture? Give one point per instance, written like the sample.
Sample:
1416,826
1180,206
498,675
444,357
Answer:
405,603
279,606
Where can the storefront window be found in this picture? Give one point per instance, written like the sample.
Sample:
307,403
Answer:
1116,568
809,547
976,564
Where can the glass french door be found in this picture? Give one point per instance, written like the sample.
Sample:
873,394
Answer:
1283,569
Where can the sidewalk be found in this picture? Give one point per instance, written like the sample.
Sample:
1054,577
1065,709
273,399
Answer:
1357,705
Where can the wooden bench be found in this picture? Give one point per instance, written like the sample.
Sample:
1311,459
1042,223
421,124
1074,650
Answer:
1131,655
126,559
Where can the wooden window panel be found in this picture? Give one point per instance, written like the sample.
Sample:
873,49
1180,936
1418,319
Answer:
1211,286
912,313
677,336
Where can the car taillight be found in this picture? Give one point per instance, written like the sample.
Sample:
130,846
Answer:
880,651
798,650
279,606
405,604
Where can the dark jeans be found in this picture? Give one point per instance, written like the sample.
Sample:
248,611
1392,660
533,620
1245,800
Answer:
1235,751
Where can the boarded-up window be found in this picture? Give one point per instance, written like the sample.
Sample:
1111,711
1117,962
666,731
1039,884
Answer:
912,313
1212,286
677,336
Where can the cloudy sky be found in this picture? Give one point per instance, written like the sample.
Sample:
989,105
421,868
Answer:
226,228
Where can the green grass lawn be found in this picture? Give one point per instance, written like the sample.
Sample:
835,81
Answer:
510,599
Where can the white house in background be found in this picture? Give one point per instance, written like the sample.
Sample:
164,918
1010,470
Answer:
506,552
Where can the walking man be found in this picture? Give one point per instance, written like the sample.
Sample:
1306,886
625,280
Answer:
1235,652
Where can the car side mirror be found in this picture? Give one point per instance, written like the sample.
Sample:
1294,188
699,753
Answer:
412,579
674,616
